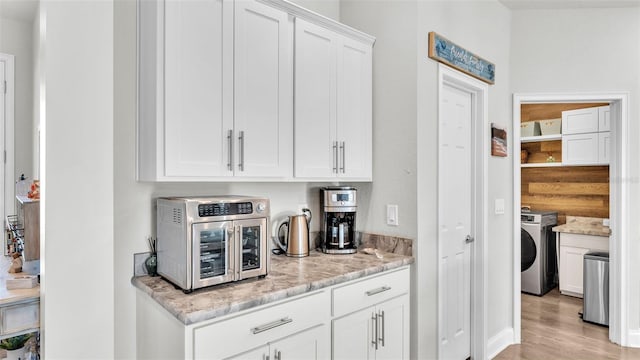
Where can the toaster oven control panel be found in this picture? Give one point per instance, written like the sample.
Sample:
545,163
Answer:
225,209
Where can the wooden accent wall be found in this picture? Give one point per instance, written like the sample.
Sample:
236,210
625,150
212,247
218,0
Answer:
530,112
570,190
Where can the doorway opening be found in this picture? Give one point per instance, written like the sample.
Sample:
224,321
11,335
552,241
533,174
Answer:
567,174
463,134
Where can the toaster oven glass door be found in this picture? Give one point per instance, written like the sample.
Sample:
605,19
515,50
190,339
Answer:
252,235
213,260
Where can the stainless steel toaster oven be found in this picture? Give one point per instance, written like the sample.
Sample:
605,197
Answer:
204,241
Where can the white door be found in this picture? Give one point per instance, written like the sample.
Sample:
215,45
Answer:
3,110
354,109
454,223
263,119
198,87
316,149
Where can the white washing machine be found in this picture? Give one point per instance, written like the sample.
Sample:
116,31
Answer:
538,248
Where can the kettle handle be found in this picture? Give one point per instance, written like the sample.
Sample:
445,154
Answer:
276,238
305,210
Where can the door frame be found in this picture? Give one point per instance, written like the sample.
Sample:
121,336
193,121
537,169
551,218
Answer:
7,186
480,144
619,331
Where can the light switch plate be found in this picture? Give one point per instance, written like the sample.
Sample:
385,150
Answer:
392,215
499,207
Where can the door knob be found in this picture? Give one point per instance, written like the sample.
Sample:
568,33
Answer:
469,239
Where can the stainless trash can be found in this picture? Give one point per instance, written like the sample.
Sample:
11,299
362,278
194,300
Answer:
596,288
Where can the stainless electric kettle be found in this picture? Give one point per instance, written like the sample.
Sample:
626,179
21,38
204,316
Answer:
296,242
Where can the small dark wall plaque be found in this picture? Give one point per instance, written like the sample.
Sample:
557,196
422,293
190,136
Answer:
447,52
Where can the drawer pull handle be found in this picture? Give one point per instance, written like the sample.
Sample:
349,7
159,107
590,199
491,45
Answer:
271,325
378,290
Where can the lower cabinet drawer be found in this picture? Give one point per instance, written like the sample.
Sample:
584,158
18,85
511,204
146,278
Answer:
256,328
20,317
371,291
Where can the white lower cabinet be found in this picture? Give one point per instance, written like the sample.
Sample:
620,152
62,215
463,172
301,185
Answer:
377,332
308,344
573,247
362,319
379,326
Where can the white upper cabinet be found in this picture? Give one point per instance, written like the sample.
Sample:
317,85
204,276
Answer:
315,113
354,109
333,101
580,121
263,91
185,87
215,92
585,136
604,118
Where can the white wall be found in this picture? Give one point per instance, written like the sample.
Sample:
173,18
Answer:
37,43
588,50
16,39
77,199
405,138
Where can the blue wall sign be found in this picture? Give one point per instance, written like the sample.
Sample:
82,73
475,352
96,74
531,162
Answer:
446,52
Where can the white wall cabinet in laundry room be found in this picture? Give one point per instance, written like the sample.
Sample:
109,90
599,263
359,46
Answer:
215,91
586,136
333,103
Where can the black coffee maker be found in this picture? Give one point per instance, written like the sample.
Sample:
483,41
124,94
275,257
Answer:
339,220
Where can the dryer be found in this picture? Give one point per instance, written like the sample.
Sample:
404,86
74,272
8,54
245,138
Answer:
539,267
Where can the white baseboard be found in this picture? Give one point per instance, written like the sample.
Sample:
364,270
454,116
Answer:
499,342
634,338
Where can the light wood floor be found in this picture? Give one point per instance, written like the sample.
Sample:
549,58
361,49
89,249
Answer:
552,329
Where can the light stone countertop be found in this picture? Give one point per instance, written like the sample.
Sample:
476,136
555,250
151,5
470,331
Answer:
584,226
287,277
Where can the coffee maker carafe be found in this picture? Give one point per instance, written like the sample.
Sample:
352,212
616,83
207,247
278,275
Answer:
339,220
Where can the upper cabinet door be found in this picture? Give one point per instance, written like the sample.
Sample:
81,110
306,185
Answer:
316,150
198,87
580,121
263,91
604,116
354,109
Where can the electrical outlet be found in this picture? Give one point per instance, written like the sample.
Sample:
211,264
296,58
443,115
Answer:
392,215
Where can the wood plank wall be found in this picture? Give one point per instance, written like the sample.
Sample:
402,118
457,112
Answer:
570,190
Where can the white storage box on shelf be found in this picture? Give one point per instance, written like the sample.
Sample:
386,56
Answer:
529,128
550,126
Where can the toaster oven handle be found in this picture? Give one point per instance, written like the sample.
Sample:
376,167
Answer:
271,325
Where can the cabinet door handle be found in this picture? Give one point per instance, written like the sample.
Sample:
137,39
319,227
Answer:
271,325
342,150
335,157
374,330
241,151
378,290
277,355
381,338
230,149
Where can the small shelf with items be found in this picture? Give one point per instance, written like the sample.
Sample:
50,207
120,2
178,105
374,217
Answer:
15,235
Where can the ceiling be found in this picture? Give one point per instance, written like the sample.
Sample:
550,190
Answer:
23,10
568,4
